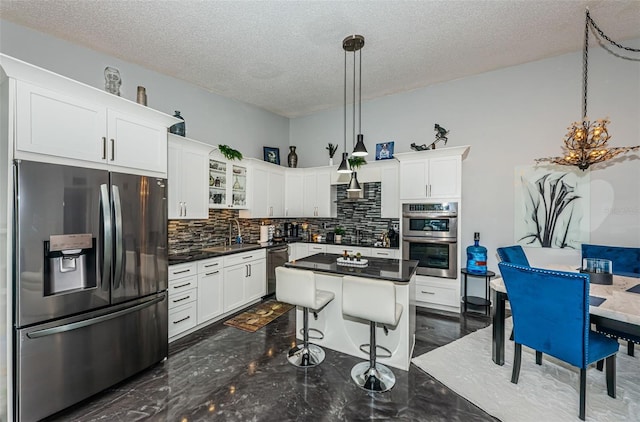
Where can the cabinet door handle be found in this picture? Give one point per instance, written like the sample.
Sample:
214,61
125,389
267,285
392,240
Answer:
185,209
247,257
181,299
212,265
429,293
113,149
182,320
383,253
181,271
104,147
215,272
249,270
181,286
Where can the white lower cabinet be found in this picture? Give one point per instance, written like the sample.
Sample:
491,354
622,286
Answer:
245,278
438,293
183,290
210,289
205,291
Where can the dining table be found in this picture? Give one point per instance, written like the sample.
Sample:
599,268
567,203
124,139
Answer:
614,306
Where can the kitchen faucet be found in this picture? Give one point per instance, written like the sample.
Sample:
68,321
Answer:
239,237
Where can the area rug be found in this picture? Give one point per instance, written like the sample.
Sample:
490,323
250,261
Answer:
256,318
549,392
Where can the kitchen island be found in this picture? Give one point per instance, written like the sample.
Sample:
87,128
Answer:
346,334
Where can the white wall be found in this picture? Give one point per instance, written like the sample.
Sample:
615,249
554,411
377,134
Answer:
509,117
210,118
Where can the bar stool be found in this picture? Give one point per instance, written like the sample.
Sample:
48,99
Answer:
375,301
298,287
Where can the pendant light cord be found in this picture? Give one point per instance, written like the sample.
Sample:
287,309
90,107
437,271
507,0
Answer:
345,102
359,93
354,98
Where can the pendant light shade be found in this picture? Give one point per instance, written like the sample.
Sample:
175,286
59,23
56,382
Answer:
354,186
344,165
360,150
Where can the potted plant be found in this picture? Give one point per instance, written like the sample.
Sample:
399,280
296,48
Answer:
356,162
339,232
230,153
332,150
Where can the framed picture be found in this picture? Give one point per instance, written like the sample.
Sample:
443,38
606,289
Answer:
384,151
271,155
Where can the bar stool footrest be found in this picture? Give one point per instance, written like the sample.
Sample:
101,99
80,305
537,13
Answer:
313,337
365,348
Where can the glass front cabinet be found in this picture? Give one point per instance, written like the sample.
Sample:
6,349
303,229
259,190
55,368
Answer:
227,183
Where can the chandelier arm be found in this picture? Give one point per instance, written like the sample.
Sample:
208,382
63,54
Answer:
603,35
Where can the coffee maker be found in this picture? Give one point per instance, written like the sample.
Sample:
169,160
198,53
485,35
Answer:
291,230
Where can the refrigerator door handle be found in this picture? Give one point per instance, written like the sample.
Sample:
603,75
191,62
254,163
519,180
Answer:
117,208
107,248
92,321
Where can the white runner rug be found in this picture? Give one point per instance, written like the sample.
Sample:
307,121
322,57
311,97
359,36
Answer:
549,392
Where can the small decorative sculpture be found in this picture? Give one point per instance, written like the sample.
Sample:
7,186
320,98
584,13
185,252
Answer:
112,80
441,135
422,147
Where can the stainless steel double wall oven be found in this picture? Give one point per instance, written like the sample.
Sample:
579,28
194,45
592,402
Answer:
430,236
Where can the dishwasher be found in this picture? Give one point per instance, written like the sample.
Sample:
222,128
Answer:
276,257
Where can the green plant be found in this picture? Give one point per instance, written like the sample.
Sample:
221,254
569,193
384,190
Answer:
356,162
230,153
339,230
332,149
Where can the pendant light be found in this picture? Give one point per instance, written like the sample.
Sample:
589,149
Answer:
354,186
344,164
354,43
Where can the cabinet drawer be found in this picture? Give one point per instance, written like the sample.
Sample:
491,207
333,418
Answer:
181,270
244,257
351,250
182,318
209,265
385,253
182,298
183,284
436,294
313,249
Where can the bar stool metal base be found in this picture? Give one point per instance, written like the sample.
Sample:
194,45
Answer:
377,379
307,357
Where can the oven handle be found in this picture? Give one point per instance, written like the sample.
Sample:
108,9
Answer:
429,239
443,215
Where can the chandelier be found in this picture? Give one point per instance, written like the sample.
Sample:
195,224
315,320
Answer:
586,141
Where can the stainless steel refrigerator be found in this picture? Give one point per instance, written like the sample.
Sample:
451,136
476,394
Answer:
90,282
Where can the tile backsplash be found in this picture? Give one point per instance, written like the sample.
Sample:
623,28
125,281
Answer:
363,215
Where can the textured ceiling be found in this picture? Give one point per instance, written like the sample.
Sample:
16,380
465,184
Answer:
287,57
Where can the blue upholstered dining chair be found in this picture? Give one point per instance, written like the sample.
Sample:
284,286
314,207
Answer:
625,262
513,255
550,312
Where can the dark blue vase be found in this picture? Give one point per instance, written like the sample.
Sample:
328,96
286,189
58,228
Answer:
178,128
477,256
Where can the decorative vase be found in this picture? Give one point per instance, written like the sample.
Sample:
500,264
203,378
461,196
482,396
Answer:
179,128
330,161
292,158
338,238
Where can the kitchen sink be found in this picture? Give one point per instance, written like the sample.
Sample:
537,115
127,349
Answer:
237,247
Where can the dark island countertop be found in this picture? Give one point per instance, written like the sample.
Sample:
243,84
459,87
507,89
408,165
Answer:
396,270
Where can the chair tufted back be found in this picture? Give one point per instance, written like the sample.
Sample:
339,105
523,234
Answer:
513,255
550,311
625,260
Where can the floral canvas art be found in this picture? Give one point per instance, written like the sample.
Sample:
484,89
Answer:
551,207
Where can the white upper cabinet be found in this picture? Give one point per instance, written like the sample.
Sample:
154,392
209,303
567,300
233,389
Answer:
294,193
317,199
188,178
54,126
228,182
266,190
390,195
434,174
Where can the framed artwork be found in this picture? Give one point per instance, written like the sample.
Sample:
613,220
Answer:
551,207
384,150
271,155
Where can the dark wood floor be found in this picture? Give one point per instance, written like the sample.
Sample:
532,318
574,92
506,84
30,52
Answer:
222,373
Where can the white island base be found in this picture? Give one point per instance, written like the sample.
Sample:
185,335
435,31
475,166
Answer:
346,334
